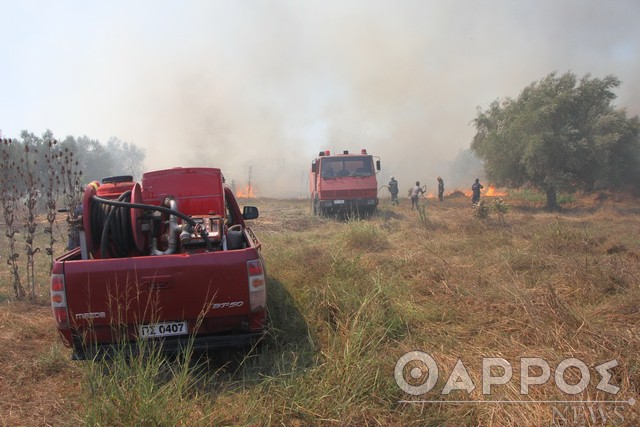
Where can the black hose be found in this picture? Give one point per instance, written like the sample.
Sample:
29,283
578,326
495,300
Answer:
111,227
118,211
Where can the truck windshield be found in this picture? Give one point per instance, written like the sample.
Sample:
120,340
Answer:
347,166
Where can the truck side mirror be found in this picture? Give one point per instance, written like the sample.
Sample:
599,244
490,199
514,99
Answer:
378,164
250,212
313,166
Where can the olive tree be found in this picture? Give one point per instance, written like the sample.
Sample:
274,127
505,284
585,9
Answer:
561,132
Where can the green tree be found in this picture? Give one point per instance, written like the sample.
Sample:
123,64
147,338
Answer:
95,160
128,157
560,133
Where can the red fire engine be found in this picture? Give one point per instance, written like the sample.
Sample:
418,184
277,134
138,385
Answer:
344,182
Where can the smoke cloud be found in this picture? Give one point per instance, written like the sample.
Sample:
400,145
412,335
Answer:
267,85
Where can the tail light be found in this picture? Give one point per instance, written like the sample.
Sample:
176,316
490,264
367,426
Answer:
257,286
59,301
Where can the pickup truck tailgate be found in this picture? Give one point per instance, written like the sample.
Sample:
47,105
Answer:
114,299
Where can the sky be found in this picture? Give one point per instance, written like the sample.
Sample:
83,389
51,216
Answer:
266,85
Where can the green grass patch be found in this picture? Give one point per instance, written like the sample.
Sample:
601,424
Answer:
536,197
364,235
141,389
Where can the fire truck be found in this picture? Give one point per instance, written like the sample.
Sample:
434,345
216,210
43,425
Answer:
169,261
344,183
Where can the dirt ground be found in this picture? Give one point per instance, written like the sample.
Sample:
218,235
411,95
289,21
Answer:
37,387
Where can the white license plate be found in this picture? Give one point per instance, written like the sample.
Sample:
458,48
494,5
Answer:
164,329
338,202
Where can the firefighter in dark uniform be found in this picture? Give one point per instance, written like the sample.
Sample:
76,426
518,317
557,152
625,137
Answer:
475,190
393,189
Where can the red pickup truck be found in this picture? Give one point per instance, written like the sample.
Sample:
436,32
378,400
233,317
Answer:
169,260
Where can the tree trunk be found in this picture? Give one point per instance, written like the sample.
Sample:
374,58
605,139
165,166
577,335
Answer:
552,199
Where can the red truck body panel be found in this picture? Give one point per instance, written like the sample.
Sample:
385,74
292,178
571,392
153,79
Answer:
142,290
197,190
347,188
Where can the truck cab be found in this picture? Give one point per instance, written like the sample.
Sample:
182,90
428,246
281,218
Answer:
344,183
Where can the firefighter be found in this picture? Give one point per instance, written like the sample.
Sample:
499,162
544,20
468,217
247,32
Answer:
393,189
475,190
440,189
73,240
415,195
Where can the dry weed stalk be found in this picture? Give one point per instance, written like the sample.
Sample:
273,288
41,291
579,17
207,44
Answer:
70,184
53,181
31,179
9,201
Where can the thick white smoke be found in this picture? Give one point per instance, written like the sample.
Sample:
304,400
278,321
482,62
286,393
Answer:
267,85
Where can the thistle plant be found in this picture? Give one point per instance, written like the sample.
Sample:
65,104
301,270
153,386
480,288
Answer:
70,178
9,203
52,183
31,195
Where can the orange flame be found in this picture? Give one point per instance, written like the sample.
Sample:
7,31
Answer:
492,192
247,193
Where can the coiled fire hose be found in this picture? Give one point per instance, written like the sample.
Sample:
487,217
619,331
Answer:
113,224
111,218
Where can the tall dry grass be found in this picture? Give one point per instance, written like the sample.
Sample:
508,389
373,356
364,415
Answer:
348,298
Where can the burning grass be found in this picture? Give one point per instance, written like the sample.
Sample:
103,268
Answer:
348,298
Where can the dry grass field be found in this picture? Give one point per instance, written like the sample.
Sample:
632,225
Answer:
349,297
